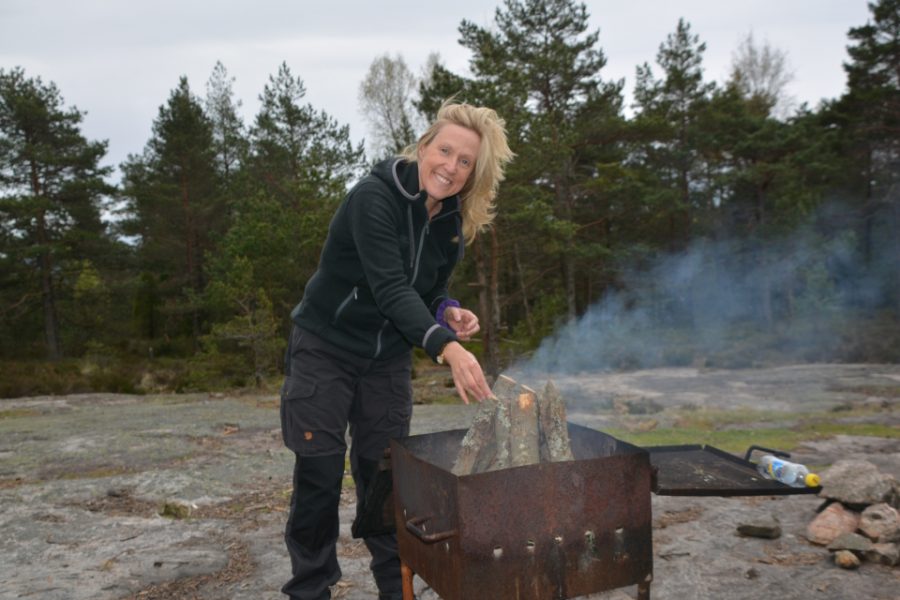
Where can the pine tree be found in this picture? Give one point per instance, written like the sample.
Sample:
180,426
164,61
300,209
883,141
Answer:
51,192
669,109
539,67
174,198
229,139
868,115
299,165
298,152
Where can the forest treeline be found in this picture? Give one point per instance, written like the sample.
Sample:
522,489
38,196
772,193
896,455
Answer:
183,274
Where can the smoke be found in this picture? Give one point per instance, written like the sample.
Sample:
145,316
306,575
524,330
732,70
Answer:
821,293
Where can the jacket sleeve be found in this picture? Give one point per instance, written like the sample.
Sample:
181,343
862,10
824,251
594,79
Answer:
374,223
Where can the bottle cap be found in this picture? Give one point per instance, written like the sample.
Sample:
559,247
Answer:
812,480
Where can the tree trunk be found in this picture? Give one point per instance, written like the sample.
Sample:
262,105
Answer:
894,199
529,322
485,273
564,201
492,354
191,258
48,295
569,268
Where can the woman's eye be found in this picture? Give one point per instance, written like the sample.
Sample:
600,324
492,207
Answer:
465,162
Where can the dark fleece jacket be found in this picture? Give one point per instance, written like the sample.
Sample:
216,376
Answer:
384,268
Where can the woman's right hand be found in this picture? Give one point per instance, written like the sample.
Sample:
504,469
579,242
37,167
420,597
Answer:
467,374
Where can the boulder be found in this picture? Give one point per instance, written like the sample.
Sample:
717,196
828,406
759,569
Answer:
853,542
884,554
831,523
856,482
881,522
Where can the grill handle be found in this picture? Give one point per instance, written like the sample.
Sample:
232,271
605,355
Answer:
780,453
413,526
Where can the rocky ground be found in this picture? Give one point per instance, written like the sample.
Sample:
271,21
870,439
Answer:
84,480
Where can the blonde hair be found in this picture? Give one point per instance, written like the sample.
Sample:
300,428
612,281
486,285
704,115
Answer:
478,194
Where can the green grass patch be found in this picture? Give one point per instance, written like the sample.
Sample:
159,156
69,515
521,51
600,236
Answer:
712,419
735,441
452,398
879,391
18,413
707,429
823,429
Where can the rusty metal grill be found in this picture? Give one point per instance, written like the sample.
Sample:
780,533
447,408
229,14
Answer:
537,532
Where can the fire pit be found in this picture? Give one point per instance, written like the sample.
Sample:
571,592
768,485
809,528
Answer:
543,531
549,530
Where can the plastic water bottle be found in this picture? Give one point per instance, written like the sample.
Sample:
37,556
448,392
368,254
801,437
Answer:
788,473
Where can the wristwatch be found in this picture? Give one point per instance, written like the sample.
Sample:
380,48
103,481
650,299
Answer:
440,357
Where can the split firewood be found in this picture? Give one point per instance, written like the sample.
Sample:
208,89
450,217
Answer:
479,440
555,444
517,427
486,445
524,435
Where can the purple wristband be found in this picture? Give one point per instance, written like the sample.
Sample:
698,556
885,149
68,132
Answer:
442,308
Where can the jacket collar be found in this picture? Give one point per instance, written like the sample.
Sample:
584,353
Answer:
406,178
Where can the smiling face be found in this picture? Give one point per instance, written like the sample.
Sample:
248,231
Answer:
448,161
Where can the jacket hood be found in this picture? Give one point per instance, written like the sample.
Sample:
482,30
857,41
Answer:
403,176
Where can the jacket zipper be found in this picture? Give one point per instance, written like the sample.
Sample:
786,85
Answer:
378,339
419,254
351,296
412,236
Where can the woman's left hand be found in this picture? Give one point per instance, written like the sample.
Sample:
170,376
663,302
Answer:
463,322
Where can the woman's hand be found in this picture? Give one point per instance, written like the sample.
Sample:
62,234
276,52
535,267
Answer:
467,374
463,322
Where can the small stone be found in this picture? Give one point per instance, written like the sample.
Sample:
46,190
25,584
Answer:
881,523
846,559
884,554
766,527
831,523
851,541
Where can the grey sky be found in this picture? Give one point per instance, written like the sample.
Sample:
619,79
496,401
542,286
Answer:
119,59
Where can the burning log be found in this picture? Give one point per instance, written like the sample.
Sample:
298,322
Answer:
517,427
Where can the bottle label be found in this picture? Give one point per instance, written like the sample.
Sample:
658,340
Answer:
776,469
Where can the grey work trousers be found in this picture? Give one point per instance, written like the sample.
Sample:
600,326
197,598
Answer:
327,389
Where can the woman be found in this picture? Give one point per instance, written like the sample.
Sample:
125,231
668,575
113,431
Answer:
380,289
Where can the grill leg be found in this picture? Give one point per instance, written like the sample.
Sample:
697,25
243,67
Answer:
406,578
643,591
